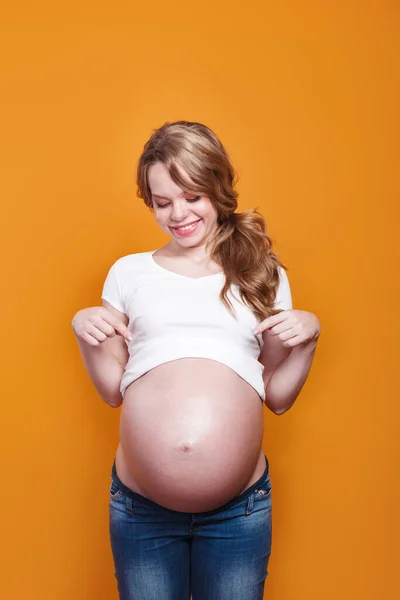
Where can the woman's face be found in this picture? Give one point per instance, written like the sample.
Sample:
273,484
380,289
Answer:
174,209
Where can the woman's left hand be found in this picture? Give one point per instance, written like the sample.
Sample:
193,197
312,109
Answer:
293,327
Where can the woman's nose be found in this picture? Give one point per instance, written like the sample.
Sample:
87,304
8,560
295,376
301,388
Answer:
179,212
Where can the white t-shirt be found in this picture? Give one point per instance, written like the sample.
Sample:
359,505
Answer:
174,316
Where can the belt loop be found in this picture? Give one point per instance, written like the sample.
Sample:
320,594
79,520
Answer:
129,505
250,504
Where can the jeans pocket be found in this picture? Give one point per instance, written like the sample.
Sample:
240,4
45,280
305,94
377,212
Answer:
264,491
115,491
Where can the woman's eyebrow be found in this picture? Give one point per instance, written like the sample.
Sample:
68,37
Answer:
166,198
158,196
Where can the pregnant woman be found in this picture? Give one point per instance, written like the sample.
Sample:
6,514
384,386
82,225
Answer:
192,341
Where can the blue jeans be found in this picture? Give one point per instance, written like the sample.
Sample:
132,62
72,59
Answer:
220,554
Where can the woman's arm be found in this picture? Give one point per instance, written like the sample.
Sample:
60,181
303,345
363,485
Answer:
289,342
106,362
285,383
104,370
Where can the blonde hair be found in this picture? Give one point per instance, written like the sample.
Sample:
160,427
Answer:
240,243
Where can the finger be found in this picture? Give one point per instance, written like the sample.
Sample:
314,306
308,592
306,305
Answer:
281,328
294,341
270,322
90,339
103,328
95,334
288,335
117,324
124,331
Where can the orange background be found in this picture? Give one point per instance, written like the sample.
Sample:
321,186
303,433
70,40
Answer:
305,98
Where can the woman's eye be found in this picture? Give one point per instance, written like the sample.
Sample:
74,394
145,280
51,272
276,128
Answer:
195,199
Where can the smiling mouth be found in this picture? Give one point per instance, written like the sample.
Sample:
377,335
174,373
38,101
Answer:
187,226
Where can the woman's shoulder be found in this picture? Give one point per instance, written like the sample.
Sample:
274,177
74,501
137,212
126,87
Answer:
134,259
130,269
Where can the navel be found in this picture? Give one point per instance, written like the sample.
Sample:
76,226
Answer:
187,447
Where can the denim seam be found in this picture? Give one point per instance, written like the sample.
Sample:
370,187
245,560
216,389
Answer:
250,505
129,505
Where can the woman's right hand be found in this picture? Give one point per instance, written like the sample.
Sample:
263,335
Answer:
95,324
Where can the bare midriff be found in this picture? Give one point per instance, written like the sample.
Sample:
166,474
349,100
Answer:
190,435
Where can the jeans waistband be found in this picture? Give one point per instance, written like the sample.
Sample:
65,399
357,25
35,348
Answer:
136,496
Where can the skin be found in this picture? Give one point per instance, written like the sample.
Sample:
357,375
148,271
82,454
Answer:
173,207
171,436
208,412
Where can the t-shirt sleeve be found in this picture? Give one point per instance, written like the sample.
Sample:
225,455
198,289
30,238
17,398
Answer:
112,289
283,299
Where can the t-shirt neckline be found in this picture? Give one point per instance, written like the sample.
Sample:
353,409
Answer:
187,277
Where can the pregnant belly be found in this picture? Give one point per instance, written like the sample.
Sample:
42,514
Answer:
190,435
